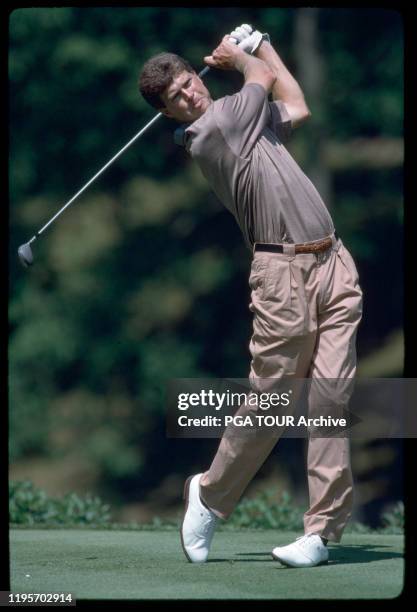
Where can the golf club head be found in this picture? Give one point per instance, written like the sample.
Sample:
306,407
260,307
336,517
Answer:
25,255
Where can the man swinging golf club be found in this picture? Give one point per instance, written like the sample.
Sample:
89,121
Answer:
305,295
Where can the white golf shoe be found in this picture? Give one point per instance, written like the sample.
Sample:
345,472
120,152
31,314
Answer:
199,523
307,551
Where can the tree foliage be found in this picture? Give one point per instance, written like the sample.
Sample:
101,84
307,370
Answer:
145,277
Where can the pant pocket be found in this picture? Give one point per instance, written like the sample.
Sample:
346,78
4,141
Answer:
348,263
277,282
257,279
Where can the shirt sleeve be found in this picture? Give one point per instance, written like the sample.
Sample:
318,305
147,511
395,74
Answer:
242,117
280,122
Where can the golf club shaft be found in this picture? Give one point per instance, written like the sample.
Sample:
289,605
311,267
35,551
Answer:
202,73
96,175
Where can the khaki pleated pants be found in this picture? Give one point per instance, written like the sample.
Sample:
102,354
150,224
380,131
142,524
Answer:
306,310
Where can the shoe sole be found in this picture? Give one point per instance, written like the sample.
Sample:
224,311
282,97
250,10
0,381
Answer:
186,496
295,566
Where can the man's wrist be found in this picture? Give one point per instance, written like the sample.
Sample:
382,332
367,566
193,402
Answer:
241,61
265,46
249,65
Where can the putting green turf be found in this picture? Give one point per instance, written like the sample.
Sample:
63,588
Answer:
150,565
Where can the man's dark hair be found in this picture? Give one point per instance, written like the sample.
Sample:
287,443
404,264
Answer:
158,73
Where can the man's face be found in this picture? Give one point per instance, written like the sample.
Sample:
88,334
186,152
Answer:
186,98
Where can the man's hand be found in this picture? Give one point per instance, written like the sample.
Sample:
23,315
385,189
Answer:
247,38
226,56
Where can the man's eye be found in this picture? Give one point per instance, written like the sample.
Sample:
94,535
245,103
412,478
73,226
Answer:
186,84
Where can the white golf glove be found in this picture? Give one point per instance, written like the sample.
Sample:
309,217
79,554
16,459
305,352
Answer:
247,38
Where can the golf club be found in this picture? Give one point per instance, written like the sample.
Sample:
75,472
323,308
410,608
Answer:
25,252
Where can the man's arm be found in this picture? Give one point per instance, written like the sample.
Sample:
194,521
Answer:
227,56
285,87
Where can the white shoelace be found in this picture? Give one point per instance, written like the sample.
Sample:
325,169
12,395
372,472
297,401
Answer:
302,540
209,524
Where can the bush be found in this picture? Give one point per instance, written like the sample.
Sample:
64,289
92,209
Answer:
393,520
357,528
266,512
31,506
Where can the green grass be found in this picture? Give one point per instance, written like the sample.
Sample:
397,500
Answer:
151,565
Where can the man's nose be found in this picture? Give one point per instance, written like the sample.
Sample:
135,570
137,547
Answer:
188,93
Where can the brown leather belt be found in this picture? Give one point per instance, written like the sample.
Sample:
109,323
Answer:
307,247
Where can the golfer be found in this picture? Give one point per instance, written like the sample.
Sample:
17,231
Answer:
305,295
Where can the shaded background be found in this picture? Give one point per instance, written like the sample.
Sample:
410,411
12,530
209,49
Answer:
144,278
